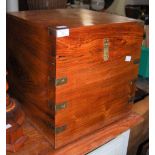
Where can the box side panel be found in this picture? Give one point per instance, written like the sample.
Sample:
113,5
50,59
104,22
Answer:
97,91
28,50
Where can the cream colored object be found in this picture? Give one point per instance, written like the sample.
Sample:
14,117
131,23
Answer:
117,7
97,4
117,146
12,5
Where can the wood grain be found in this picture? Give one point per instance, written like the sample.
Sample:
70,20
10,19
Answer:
37,144
97,91
73,18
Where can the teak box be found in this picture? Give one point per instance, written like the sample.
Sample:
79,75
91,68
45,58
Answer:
73,70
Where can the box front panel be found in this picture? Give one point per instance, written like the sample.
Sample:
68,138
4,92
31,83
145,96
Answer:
100,79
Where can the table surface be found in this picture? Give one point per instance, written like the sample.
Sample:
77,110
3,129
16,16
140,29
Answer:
37,144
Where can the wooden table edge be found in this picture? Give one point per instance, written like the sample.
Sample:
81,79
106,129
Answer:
90,142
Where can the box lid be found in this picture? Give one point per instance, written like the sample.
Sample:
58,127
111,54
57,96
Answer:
71,18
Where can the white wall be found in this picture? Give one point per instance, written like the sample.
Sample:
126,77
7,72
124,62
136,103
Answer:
117,7
12,5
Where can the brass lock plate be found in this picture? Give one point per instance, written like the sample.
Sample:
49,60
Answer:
106,49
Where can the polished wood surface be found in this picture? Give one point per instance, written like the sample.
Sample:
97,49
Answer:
97,91
37,144
73,18
139,133
28,66
15,117
94,86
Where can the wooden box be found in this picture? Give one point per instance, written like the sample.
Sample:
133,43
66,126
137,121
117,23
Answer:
73,70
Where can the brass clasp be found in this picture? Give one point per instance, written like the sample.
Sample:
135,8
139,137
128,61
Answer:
106,50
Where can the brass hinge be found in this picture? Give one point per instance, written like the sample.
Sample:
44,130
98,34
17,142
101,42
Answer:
61,81
57,107
106,50
136,61
56,130
60,129
60,106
